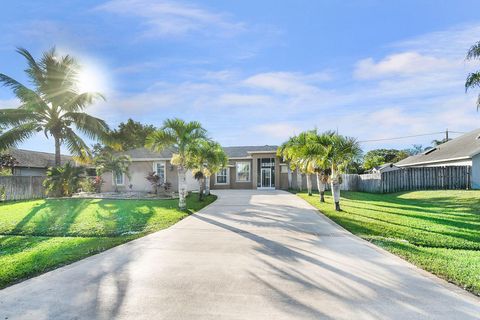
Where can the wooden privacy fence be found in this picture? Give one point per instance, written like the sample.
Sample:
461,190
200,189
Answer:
21,188
405,179
425,178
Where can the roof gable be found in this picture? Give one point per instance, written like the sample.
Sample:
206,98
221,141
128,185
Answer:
463,147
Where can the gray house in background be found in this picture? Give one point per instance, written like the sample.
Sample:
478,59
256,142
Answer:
33,163
461,151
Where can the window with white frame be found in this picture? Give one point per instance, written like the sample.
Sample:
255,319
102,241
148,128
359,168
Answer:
222,176
119,178
243,171
159,169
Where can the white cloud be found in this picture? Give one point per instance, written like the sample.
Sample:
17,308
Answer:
287,82
402,64
277,131
9,103
164,18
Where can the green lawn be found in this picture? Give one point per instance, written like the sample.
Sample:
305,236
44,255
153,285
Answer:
438,231
40,235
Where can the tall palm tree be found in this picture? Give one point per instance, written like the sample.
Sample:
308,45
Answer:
206,158
473,79
337,153
53,106
116,164
180,135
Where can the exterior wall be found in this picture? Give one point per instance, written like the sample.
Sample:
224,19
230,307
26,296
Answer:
255,157
139,170
35,172
475,178
232,182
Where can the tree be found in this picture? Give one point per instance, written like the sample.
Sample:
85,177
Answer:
7,163
63,181
436,142
54,106
206,158
473,79
131,134
316,148
338,151
291,152
377,157
180,135
116,164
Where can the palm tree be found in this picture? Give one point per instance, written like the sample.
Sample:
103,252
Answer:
182,136
116,164
53,106
315,151
337,153
473,79
206,158
295,151
288,152
63,180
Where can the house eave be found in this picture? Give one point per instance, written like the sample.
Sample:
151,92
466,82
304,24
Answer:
433,161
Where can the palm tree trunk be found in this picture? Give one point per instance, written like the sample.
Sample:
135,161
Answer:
182,188
336,190
289,174
309,184
201,183
299,180
115,181
58,160
207,185
321,188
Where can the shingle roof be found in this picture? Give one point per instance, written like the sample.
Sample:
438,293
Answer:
232,152
243,151
144,153
35,159
465,146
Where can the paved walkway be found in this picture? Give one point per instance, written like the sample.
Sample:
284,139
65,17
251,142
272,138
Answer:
250,255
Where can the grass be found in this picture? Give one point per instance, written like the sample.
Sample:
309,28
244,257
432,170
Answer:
438,231
40,235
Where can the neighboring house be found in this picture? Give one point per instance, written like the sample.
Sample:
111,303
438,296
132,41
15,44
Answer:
386,167
461,151
33,163
249,167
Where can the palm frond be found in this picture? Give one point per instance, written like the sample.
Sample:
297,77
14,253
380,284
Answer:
92,127
76,145
17,135
161,140
21,92
15,117
473,52
473,81
34,71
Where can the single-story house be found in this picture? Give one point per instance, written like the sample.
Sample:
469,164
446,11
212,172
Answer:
386,167
249,167
461,151
33,163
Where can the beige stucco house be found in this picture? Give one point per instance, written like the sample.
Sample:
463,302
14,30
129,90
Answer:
249,167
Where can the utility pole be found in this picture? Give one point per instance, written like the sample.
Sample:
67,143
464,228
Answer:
446,135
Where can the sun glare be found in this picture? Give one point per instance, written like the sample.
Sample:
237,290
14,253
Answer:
92,78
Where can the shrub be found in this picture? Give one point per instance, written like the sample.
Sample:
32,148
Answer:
63,180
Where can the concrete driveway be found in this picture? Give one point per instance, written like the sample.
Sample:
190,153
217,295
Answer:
250,255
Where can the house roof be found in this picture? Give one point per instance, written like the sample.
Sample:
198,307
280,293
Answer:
232,152
463,147
35,159
245,151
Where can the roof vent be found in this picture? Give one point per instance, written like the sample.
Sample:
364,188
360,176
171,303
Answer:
429,151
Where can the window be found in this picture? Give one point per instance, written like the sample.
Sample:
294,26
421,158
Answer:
243,171
221,176
119,178
159,169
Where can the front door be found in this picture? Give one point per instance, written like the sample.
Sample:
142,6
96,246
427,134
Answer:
266,177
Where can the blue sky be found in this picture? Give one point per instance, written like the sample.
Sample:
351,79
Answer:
256,72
